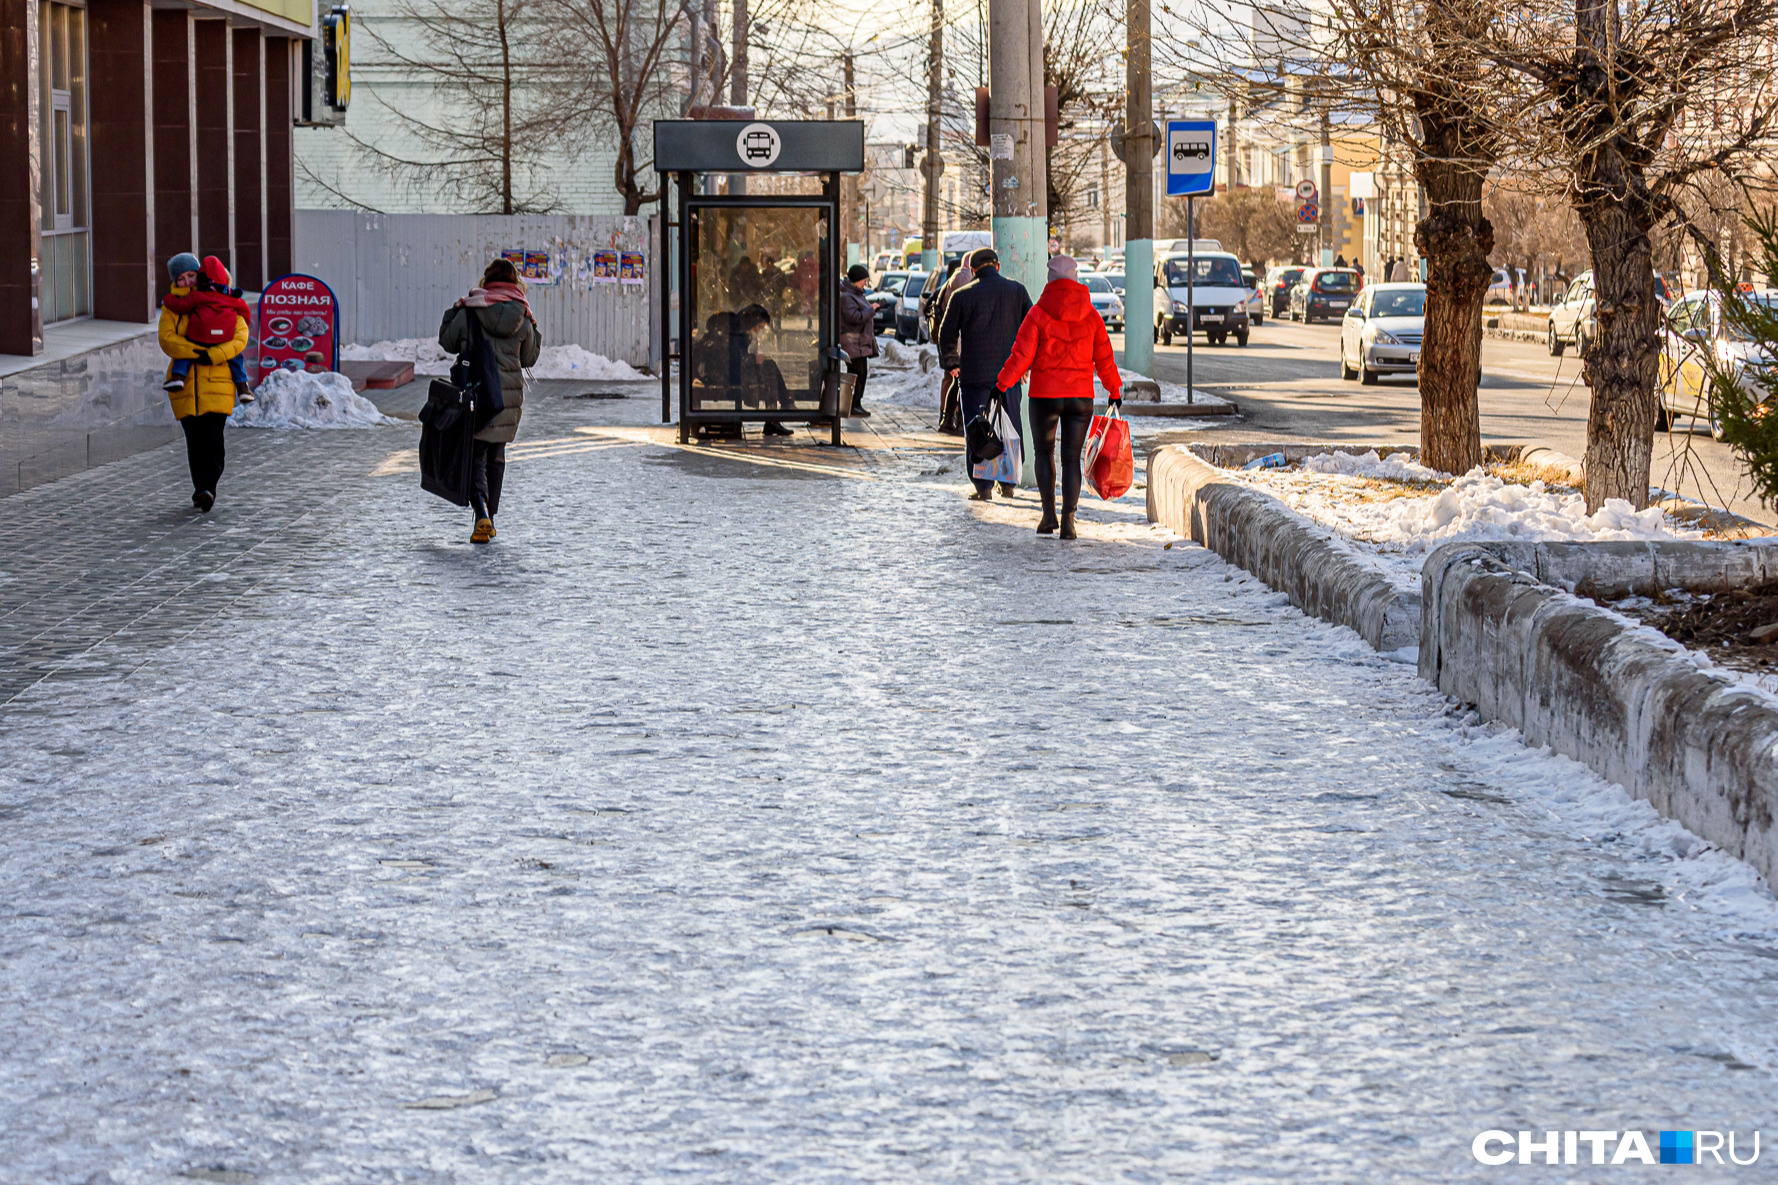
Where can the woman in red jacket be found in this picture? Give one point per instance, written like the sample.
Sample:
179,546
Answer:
1062,342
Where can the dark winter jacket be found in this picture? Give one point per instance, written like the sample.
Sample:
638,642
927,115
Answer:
1062,343
979,326
858,323
517,342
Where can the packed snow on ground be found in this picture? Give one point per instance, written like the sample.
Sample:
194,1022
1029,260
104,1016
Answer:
297,399
1339,492
571,361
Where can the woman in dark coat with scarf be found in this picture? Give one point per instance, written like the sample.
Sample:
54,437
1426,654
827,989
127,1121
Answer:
506,321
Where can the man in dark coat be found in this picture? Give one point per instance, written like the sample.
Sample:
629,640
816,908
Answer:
974,342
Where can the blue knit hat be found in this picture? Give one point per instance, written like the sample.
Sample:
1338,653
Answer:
183,262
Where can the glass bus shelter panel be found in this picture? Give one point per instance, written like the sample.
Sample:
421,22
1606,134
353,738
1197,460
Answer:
760,292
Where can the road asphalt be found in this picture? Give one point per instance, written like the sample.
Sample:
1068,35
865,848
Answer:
1288,386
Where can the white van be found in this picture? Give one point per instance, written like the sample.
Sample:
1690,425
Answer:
955,244
1216,290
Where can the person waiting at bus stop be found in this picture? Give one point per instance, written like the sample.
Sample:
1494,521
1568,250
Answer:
1062,343
976,339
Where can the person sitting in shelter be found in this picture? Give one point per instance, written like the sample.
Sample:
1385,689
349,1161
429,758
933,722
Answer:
728,361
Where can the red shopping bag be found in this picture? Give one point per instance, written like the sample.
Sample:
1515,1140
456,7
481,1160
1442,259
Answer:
1110,462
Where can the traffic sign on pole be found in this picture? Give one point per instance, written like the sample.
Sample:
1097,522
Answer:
1191,157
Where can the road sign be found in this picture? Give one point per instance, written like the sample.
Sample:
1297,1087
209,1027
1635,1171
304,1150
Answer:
1305,189
1308,212
1191,157
1154,141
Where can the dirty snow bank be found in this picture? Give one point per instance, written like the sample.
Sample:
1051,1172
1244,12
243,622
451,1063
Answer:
1397,526
554,362
297,399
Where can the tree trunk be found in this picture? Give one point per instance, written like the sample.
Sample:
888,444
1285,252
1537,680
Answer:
1623,354
1611,197
1455,241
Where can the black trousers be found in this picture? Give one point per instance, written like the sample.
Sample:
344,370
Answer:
861,368
203,448
487,473
1072,417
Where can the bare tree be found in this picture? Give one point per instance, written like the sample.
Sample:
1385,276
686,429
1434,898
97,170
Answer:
492,119
625,50
1634,106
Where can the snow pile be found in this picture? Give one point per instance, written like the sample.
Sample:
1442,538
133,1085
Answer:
1479,507
423,352
576,362
297,399
1394,467
903,374
554,362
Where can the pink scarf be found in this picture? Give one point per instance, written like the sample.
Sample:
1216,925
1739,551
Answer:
496,293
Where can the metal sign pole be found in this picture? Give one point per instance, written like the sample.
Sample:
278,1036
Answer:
1191,292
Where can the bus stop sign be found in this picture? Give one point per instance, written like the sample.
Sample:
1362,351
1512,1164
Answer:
1191,157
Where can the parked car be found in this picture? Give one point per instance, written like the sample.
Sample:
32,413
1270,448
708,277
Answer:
883,264
1106,302
1323,292
1699,342
1573,319
908,322
1279,282
1256,307
1115,277
1211,281
1380,333
1500,288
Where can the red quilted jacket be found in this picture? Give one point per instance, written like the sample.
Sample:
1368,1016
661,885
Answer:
1062,342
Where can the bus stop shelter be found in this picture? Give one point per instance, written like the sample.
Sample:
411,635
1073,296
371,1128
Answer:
757,274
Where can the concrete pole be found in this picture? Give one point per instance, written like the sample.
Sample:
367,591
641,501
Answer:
1138,194
1016,152
737,87
849,183
935,164
1105,194
1326,183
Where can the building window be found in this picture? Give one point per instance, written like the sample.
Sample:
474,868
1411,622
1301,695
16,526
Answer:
1093,198
62,131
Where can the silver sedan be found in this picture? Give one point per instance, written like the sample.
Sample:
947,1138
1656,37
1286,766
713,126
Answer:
1380,333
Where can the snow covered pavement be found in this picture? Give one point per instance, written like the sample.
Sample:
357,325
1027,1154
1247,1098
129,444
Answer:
769,823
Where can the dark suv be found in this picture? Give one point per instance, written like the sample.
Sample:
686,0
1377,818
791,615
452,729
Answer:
1279,282
1324,293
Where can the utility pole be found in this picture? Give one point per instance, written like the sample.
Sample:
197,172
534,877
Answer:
1016,152
1234,165
1138,194
737,97
849,183
1105,194
1324,227
935,59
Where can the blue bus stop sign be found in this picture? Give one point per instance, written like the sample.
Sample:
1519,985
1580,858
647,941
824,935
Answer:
1191,157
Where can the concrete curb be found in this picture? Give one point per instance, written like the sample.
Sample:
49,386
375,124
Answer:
1255,531
1497,632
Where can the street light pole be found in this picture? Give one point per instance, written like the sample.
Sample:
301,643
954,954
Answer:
737,182
935,164
1016,152
1138,194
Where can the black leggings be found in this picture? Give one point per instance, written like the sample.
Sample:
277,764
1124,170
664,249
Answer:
488,474
203,448
1074,417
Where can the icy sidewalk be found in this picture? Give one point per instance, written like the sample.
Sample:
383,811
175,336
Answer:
740,823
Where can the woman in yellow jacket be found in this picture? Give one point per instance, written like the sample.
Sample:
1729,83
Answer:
206,401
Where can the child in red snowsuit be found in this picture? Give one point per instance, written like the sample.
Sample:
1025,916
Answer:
209,307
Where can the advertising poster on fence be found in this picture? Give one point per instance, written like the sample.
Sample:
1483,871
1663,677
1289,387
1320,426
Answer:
605,267
297,314
632,267
536,268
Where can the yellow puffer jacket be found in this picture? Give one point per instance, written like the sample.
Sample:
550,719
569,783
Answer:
207,388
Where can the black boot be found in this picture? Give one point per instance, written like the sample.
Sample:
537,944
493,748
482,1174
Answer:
773,428
1068,525
1047,525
